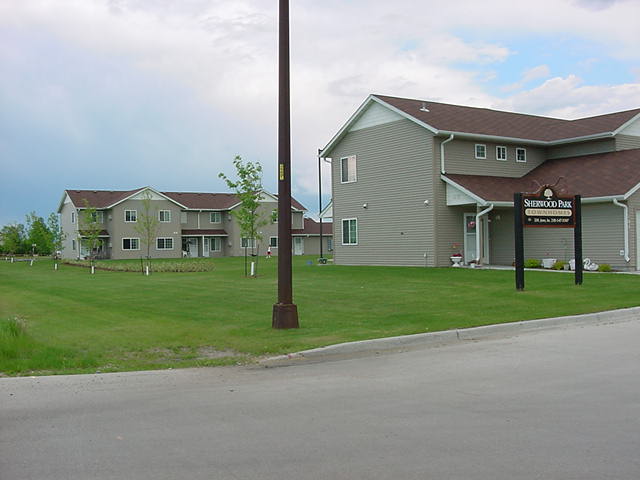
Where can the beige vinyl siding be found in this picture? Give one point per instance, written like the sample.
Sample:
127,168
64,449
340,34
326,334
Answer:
394,178
627,142
583,148
602,237
119,229
634,206
70,230
460,158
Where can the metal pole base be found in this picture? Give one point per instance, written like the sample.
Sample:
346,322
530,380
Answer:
285,315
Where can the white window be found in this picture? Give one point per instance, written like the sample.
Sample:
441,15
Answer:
131,216
274,216
215,217
481,151
348,169
73,244
521,154
330,244
501,153
183,217
97,217
164,216
273,242
216,244
164,243
350,231
73,218
130,244
248,243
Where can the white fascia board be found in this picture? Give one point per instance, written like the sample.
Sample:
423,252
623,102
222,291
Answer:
606,199
61,204
626,124
469,193
497,138
631,192
141,190
595,136
405,115
345,127
502,204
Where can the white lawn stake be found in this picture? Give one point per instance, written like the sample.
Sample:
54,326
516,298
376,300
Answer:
146,269
253,268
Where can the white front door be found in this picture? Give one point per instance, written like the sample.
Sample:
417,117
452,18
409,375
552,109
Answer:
298,245
192,247
637,240
205,247
470,230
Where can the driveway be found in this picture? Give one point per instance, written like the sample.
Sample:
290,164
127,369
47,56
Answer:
557,404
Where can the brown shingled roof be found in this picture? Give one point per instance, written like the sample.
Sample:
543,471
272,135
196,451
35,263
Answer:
99,198
600,175
311,227
484,121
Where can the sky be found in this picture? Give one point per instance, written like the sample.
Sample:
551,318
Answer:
120,94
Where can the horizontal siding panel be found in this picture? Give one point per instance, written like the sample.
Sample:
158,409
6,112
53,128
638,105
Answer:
627,142
584,148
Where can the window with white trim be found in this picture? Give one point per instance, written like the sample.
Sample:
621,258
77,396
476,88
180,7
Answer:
481,151
501,153
215,217
350,231
329,243
248,243
73,217
348,169
273,242
97,217
164,243
73,244
131,216
164,216
216,244
183,217
130,244
521,155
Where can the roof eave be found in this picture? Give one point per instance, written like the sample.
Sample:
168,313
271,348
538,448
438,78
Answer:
467,192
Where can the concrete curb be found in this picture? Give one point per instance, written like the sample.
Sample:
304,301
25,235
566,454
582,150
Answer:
448,337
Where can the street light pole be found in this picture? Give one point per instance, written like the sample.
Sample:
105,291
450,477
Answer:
285,312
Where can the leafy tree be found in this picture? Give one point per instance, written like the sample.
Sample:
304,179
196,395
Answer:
147,225
248,189
57,235
38,234
90,229
14,238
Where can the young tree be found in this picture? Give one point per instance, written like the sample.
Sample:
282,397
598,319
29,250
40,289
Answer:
248,189
147,225
90,229
57,235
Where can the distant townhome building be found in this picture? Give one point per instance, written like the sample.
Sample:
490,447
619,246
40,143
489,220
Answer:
414,182
188,224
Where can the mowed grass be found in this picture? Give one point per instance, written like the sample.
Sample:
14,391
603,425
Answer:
115,321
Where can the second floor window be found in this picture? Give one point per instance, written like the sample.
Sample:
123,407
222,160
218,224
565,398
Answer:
130,216
348,169
164,216
521,154
215,217
501,153
481,151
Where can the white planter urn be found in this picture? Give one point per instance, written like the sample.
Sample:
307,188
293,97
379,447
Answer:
456,261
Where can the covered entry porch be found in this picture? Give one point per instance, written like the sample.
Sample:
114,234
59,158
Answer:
203,243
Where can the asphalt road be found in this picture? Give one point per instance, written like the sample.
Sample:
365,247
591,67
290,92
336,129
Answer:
559,404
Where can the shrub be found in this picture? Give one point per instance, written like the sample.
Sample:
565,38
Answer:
532,263
604,267
559,265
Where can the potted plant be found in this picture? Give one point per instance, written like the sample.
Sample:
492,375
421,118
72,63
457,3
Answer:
456,256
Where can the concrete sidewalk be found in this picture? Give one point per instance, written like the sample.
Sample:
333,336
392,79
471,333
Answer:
447,337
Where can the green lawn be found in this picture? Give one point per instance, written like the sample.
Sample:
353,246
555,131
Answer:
114,321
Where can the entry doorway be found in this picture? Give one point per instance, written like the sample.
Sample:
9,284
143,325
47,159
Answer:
205,247
637,240
470,231
191,246
298,245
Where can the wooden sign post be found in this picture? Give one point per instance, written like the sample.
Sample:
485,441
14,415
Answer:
545,209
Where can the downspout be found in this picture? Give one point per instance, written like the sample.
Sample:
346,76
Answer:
442,169
626,228
479,230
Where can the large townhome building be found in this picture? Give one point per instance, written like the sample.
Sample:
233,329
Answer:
415,181
188,224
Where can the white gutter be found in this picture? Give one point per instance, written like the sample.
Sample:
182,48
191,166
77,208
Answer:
442,169
626,228
479,230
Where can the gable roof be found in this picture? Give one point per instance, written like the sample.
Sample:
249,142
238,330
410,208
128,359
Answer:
102,199
612,174
311,227
443,118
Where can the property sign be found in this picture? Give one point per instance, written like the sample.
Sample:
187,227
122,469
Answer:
546,209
